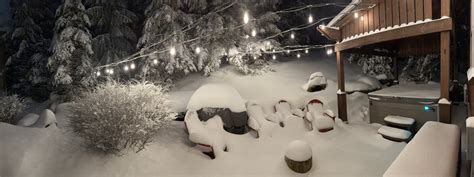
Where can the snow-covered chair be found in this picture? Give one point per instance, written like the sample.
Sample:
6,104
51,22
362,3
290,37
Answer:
208,136
316,116
432,152
256,117
284,108
277,118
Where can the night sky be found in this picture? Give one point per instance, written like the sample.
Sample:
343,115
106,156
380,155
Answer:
4,13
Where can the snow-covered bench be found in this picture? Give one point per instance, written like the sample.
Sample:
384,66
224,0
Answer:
433,152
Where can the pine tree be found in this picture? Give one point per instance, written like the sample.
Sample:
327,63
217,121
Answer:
202,38
71,48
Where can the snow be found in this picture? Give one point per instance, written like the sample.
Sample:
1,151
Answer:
432,152
394,132
46,119
316,79
444,101
470,73
427,91
28,120
217,96
206,133
399,120
299,151
470,122
284,108
323,123
373,82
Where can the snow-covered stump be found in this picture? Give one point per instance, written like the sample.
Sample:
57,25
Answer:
299,156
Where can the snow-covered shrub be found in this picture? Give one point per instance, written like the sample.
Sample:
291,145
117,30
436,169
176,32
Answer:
114,117
374,65
9,107
421,69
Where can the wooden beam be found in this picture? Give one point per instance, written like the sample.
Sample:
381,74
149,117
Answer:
331,33
445,109
364,51
434,26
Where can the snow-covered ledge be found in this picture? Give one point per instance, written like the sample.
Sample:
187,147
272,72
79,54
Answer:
444,101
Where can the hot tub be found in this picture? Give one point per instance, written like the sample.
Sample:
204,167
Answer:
418,101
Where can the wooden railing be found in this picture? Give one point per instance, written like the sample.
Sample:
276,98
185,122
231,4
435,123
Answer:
391,13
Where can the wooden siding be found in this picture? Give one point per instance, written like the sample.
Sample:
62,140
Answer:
388,13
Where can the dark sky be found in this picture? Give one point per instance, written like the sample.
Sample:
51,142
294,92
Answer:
4,13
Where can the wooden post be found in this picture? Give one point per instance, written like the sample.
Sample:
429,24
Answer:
445,108
445,57
395,68
341,93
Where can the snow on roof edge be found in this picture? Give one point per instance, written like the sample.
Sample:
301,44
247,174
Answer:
344,12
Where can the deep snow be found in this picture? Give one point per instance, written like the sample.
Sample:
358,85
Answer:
353,149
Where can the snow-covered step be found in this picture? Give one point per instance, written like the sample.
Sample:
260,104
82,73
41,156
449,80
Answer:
394,134
400,122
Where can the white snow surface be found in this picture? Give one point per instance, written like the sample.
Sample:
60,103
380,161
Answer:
356,147
444,101
299,151
399,120
28,120
470,122
323,122
470,73
394,132
428,91
210,132
216,96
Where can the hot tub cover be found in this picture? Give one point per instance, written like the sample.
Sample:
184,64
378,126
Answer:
425,91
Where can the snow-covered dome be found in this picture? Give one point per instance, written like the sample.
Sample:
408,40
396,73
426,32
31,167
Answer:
299,151
217,96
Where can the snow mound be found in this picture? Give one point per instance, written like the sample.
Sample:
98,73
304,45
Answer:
470,122
298,151
297,112
28,120
394,132
444,101
216,96
205,133
316,82
46,119
323,123
371,81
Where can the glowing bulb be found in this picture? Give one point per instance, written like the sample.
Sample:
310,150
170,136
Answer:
125,68
111,71
132,66
306,51
246,36
310,19
273,50
288,51
172,51
361,18
254,57
323,26
198,50
155,61
329,51
246,17
298,56
254,33
98,73
292,36
356,15
274,57
267,43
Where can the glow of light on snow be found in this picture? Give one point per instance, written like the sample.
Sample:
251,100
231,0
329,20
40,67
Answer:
310,19
254,33
198,50
246,17
172,51
329,51
132,66
356,15
125,68
155,61
298,55
292,36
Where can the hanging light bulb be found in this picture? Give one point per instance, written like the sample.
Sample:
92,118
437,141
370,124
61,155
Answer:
267,43
198,50
356,15
306,51
298,55
292,36
254,33
98,73
246,17
329,51
310,19
288,51
246,36
323,26
274,57
172,51
155,61
132,66
362,18
111,71
125,68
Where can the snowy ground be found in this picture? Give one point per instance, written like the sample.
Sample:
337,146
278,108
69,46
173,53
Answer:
349,150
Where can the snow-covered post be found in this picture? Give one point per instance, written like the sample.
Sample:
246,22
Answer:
341,93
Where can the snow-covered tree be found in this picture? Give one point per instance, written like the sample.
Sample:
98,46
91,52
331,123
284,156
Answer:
28,40
70,62
376,66
422,68
191,36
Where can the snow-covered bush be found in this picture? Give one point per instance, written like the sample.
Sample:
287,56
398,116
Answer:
9,107
421,69
114,117
374,65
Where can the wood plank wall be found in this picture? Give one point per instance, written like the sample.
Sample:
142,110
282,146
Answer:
388,13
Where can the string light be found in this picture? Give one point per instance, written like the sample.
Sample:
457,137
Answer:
98,73
306,51
292,36
274,57
310,19
198,50
298,55
288,51
254,33
125,68
246,36
246,17
356,15
110,71
329,51
132,66
155,61
172,52
267,43
323,27
361,18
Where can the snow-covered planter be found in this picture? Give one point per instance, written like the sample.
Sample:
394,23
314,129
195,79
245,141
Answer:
114,117
299,156
316,82
223,100
9,107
